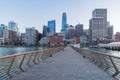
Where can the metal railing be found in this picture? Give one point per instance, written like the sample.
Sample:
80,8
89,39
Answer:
13,64
109,63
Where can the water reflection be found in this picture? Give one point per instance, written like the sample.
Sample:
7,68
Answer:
12,50
114,53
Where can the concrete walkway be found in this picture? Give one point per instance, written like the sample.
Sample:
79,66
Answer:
65,65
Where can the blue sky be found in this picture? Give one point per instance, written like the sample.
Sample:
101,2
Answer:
36,13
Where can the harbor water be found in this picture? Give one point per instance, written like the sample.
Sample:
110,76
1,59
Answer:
4,51
105,51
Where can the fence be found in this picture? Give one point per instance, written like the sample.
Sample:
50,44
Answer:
109,63
13,64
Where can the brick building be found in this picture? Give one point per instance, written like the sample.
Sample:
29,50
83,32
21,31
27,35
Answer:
56,40
117,36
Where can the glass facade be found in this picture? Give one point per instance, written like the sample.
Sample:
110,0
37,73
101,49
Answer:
64,21
52,26
1,29
12,25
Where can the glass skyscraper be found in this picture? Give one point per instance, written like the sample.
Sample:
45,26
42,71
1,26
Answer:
64,21
52,26
1,29
12,25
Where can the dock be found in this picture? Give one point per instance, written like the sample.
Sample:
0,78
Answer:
64,65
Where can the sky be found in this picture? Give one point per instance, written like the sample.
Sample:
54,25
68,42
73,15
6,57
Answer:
36,13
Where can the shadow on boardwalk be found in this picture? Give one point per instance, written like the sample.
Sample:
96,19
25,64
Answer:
65,65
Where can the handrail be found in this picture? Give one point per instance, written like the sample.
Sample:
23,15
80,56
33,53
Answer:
16,54
107,54
109,63
12,64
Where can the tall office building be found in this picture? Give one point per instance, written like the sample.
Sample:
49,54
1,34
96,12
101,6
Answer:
30,36
70,32
100,13
64,21
12,25
79,30
46,31
98,24
109,30
23,38
64,25
52,26
2,26
10,36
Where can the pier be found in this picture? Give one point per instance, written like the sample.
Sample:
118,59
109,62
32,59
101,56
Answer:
111,46
64,65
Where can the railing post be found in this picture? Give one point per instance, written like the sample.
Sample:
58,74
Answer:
35,57
8,71
107,65
115,67
96,59
39,54
29,60
99,56
46,54
20,66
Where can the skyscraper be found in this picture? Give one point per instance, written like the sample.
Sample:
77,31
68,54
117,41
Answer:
64,25
46,31
52,26
64,21
1,29
30,36
100,13
98,24
79,30
70,32
12,25
109,30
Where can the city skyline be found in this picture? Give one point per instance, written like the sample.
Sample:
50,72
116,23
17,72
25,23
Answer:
37,13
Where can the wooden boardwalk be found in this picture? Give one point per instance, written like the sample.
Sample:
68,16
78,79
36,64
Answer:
65,65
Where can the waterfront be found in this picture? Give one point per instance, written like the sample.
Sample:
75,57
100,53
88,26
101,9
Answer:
4,51
13,50
112,52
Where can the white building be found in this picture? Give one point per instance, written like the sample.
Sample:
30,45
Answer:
30,36
97,28
44,40
100,13
9,36
98,24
